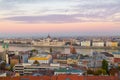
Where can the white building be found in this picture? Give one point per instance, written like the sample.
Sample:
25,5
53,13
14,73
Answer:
26,68
98,44
116,54
68,71
7,41
55,64
3,75
86,43
20,68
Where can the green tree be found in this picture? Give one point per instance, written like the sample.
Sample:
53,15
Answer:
105,65
100,72
103,72
89,71
34,50
51,50
97,72
11,67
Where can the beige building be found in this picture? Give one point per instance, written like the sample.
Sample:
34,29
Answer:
48,42
7,41
111,44
67,61
72,61
61,61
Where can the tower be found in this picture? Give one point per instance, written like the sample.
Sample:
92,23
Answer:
72,49
5,52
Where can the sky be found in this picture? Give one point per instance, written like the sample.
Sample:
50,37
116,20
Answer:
59,17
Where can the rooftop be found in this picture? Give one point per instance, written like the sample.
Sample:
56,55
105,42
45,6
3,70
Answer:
107,54
117,60
40,57
115,52
61,77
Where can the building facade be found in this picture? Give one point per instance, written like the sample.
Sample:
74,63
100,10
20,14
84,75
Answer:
111,44
41,59
86,43
98,44
48,42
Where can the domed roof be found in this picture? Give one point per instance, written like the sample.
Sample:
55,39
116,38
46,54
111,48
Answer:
48,36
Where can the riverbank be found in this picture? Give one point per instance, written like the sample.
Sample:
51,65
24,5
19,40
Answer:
77,47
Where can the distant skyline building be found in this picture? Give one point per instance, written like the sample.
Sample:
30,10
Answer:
48,42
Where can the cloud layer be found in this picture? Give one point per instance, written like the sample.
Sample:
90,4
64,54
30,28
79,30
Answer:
60,11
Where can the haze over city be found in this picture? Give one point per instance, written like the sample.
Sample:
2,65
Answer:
59,17
59,39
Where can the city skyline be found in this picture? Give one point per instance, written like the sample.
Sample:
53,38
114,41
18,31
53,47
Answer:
59,17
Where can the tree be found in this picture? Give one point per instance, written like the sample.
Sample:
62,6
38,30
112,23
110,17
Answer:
103,72
113,71
36,62
86,55
118,68
105,65
2,66
11,67
89,71
34,50
51,50
100,72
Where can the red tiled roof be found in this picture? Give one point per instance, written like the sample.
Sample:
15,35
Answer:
116,60
61,77
101,78
71,77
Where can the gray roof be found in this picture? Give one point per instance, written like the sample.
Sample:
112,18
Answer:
107,54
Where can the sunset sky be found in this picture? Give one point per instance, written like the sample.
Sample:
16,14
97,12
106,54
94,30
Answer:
59,17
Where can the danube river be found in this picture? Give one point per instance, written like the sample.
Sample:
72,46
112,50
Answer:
63,50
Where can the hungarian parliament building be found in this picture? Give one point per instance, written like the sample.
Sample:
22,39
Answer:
48,42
